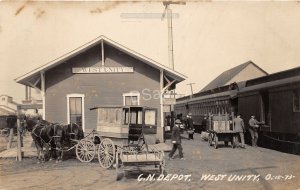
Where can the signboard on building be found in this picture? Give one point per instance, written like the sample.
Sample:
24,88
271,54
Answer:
169,101
167,108
102,70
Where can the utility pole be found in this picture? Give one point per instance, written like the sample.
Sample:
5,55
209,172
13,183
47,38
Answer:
168,11
191,85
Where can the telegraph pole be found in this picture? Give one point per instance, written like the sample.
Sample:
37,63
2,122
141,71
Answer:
168,11
191,85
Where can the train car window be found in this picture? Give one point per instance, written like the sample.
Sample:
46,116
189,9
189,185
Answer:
296,100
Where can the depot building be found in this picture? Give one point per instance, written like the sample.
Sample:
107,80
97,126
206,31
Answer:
101,72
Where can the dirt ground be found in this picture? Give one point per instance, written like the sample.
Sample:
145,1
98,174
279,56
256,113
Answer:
204,168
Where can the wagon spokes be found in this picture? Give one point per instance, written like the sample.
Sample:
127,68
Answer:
85,150
106,153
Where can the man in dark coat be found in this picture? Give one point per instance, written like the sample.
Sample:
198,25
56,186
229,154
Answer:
190,126
176,141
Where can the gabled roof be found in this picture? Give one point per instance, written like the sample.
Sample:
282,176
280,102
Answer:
35,73
226,76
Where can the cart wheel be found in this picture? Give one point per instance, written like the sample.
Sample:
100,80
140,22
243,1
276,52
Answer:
226,143
85,150
106,153
216,141
210,139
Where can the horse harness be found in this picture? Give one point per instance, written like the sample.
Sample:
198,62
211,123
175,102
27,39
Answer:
40,137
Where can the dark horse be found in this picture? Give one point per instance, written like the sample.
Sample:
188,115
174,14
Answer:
46,136
73,132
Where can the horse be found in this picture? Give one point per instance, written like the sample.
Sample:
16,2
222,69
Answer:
73,132
45,135
40,135
57,143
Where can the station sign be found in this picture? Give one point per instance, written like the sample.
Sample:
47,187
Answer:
166,108
102,70
169,101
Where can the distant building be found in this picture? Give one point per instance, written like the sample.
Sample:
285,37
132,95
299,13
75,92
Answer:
30,106
33,103
243,72
7,105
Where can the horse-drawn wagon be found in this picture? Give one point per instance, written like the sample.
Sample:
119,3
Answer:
221,128
123,136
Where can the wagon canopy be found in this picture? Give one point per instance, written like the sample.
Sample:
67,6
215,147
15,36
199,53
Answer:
127,122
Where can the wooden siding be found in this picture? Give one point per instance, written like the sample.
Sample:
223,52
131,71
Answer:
99,89
249,105
283,119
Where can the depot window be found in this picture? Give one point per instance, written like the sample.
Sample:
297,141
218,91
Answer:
75,109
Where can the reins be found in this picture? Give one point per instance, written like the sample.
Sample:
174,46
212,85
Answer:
40,137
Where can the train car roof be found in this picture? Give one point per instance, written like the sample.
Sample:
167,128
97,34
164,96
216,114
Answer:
222,95
274,77
271,84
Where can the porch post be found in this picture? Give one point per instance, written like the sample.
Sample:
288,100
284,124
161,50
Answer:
19,143
161,105
43,92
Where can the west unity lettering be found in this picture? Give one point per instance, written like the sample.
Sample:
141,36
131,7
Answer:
87,70
230,178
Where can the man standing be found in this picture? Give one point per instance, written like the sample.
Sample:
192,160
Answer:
176,141
253,130
240,128
190,126
204,123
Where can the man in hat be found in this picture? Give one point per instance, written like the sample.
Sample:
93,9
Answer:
176,141
240,128
204,123
253,130
190,126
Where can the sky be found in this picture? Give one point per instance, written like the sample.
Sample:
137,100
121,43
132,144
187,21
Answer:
209,36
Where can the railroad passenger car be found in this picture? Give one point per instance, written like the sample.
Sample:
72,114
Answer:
274,99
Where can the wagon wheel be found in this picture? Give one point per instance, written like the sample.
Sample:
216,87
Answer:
85,150
106,153
216,141
210,139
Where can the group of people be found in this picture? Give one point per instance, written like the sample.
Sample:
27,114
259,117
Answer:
239,127
253,127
